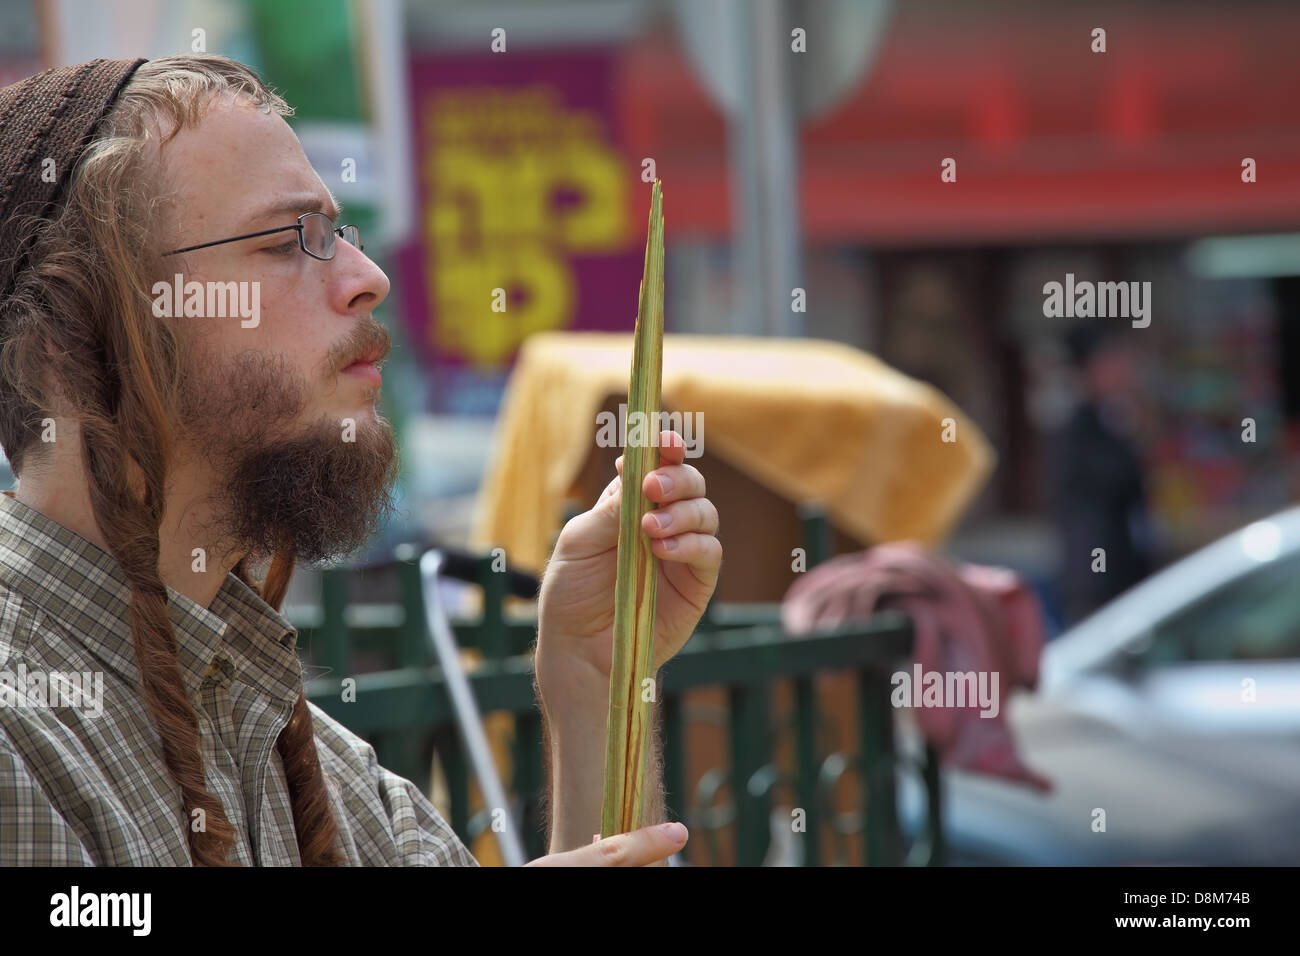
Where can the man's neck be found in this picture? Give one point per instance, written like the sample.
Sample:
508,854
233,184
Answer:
188,564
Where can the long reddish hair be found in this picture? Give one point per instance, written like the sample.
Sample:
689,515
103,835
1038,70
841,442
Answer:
79,339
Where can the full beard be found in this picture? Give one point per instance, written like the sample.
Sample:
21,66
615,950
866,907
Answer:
318,492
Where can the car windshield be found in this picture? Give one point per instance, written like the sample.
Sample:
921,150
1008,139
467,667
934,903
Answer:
1254,617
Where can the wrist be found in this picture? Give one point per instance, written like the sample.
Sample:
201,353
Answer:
569,686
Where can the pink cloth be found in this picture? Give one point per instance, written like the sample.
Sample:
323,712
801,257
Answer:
966,617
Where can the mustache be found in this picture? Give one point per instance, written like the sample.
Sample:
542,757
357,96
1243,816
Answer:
369,336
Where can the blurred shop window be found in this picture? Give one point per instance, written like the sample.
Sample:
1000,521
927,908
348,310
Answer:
1255,617
933,332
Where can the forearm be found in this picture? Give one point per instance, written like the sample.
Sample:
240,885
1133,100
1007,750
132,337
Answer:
574,738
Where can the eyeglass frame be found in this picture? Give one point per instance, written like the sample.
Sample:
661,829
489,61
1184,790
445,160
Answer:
302,241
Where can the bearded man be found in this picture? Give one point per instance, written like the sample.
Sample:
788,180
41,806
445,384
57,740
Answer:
160,456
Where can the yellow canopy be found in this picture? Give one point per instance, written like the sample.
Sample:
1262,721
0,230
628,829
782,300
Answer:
888,457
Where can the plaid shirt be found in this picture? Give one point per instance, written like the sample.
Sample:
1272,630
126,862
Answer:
83,784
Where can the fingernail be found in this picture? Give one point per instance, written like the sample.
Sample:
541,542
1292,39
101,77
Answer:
663,519
674,830
665,484
670,544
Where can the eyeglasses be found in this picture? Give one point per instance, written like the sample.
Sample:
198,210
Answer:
316,232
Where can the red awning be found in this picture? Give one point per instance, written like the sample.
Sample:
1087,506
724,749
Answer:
1052,141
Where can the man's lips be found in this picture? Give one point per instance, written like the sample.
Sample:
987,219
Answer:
371,357
365,369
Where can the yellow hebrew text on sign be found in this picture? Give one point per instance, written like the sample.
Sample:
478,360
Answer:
518,184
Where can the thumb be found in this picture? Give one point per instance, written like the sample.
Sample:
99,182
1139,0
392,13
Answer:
642,847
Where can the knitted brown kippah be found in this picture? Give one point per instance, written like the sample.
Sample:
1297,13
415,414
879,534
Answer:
51,115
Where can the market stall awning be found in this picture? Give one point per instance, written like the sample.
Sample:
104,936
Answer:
888,456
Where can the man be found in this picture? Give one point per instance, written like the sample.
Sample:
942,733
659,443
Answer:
162,447
1101,495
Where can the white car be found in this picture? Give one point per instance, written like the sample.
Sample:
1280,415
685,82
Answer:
1169,722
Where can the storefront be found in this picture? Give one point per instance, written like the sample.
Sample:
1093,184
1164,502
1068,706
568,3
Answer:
1107,166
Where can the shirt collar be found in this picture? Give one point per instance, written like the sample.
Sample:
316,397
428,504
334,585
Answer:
82,586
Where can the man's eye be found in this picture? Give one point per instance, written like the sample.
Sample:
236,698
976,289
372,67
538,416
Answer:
283,250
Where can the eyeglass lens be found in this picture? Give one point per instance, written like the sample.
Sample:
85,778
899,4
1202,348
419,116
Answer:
318,235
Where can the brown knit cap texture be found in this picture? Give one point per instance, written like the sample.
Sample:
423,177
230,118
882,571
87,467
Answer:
50,115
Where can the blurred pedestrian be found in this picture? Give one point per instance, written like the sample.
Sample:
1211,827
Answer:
1099,487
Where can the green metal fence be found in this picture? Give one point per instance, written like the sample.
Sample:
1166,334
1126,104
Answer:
405,711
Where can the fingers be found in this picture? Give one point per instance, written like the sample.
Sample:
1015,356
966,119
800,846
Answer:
672,448
679,517
682,481
703,552
642,847
685,525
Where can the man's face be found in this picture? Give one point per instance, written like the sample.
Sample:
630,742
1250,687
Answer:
292,447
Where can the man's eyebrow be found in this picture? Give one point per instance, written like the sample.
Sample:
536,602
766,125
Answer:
295,206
